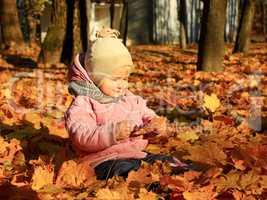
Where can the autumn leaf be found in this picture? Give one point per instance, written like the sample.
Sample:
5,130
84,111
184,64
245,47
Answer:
211,102
107,194
33,118
75,175
238,195
152,148
188,136
176,183
209,153
237,180
145,195
157,125
143,175
42,176
204,193
9,150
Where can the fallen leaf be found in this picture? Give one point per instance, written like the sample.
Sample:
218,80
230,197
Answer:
107,194
203,193
145,195
75,175
211,102
209,153
42,176
188,136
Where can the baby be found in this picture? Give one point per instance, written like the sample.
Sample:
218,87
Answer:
104,112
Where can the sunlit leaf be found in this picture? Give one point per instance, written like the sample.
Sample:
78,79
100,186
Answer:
42,176
211,102
188,136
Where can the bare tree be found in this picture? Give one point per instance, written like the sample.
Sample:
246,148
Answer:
53,44
211,44
124,21
182,19
245,25
9,21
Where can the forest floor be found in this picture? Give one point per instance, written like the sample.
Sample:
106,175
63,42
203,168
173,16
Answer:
217,121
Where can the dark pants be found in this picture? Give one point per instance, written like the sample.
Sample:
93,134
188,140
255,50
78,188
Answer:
122,167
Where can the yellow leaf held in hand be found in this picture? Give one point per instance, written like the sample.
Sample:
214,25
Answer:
152,148
211,102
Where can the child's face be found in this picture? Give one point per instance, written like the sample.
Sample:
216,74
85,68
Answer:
116,84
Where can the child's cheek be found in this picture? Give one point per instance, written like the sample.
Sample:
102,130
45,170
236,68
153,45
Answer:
124,84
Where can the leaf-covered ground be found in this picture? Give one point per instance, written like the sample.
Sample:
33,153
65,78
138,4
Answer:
216,123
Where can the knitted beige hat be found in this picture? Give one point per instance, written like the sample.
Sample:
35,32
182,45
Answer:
106,54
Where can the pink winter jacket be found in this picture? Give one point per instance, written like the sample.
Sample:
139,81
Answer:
91,124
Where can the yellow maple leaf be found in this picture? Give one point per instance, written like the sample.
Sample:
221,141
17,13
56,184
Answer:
211,102
33,118
188,136
43,175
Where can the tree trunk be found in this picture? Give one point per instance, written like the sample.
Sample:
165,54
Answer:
77,42
9,22
32,23
182,19
264,18
53,44
83,24
88,18
124,22
211,44
245,25
112,12
67,51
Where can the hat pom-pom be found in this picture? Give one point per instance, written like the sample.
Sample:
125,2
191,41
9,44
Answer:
107,33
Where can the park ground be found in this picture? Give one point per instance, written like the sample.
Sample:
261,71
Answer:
218,120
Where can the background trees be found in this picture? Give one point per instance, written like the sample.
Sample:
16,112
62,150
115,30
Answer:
9,21
245,25
53,43
211,44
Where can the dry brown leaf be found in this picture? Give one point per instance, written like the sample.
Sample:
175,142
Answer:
75,175
143,175
8,150
209,153
176,183
203,193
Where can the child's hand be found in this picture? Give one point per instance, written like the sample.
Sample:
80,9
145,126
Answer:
157,125
124,129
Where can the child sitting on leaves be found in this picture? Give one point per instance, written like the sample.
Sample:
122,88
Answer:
104,112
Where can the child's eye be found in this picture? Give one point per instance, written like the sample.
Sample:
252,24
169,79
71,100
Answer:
120,79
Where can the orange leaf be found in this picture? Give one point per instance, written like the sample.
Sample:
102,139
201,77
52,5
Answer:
75,175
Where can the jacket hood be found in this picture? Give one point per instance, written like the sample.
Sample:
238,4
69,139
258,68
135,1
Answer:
77,72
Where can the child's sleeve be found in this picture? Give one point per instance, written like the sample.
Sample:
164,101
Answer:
85,133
